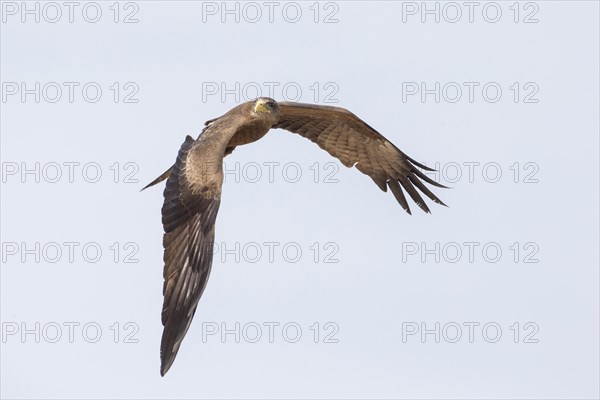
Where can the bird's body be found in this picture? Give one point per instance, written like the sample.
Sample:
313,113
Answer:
193,190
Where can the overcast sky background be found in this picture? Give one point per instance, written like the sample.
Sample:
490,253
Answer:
541,212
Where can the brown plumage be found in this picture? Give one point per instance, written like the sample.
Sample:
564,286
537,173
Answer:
193,190
349,139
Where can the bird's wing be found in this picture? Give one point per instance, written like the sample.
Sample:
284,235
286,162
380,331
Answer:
190,207
348,138
166,174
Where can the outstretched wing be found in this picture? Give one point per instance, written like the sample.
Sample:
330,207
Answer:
188,216
348,138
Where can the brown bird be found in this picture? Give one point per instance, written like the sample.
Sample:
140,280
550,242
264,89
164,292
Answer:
193,190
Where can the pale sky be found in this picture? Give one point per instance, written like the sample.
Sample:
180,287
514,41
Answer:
322,286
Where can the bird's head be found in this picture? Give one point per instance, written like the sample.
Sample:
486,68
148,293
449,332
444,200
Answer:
265,107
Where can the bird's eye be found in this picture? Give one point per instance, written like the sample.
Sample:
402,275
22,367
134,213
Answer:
270,104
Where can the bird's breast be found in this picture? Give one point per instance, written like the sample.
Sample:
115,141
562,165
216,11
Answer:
248,134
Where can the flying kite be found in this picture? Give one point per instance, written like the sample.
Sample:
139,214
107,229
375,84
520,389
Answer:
193,190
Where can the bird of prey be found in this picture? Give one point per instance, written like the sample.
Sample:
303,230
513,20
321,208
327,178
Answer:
193,190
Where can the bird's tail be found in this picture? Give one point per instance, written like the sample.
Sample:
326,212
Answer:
161,178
